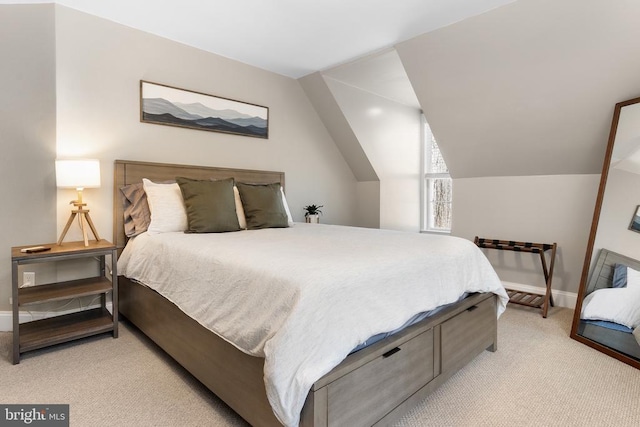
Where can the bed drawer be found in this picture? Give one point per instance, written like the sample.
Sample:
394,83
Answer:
381,384
466,335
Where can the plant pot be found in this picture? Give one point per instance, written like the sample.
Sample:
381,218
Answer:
312,219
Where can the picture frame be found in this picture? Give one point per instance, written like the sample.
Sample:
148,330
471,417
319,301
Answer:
167,105
635,221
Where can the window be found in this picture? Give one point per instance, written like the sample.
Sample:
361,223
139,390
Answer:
437,186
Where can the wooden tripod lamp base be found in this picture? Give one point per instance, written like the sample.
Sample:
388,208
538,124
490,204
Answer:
85,221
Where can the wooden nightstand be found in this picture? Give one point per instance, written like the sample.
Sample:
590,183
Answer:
55,330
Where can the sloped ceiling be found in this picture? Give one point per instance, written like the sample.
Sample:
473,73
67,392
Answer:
528,88
381,73
290,37
336,123
524,89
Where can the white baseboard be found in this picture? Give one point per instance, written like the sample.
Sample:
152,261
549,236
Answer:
6,317
560,298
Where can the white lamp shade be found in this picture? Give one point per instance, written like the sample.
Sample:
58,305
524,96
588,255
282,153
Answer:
79,173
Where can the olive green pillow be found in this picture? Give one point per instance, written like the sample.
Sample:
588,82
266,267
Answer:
210,205
263,205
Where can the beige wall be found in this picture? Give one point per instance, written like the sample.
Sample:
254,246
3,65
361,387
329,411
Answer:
27,132
523,90
99,65
389,134
70,88
543,209
333,117
368,204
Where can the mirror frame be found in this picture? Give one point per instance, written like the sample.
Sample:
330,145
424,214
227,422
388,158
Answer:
592,237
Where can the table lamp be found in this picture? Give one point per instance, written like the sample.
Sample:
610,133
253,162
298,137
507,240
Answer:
78,174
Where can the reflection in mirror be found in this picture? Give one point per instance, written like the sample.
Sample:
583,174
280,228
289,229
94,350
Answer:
635,221
607,314
611,308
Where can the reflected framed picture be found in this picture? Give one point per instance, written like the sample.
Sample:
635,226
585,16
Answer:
635,221
165,105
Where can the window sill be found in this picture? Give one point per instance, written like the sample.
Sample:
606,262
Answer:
436,231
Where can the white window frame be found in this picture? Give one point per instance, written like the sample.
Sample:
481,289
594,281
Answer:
425,187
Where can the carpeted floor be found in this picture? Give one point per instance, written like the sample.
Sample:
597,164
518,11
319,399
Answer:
538,377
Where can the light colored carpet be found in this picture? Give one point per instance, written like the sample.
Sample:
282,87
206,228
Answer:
538,377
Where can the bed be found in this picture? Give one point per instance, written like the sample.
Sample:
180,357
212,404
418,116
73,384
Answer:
373,386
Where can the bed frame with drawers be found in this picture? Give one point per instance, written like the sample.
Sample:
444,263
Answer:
373,386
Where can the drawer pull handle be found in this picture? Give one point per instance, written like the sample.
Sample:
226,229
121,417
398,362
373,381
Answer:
472,308
391,352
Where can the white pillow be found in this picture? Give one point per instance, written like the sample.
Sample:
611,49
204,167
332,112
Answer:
242,220
619,305
633,278
167,207
286,207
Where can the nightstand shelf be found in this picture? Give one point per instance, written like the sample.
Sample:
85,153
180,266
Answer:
64,290
68,327
37,334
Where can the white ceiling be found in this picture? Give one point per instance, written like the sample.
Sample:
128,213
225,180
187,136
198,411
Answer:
289,37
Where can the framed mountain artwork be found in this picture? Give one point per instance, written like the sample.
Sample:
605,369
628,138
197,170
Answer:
166,105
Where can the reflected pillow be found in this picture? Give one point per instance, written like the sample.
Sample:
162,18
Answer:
210,205
167,209
263,206
619,276
619,305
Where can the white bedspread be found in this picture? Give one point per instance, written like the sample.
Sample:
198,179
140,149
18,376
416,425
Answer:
303,297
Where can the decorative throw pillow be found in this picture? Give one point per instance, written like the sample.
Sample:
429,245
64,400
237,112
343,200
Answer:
210,205
166,206
263,205
136,209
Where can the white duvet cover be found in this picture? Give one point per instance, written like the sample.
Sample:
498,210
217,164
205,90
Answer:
303,297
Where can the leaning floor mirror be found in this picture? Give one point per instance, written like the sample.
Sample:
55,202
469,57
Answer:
607,315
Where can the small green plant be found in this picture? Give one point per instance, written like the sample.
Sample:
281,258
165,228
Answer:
312,210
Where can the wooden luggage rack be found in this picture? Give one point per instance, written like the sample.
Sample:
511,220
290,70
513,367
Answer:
527,298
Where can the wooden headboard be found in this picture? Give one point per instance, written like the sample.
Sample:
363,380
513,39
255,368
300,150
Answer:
602,275
131,172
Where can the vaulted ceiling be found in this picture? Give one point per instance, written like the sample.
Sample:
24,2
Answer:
508,87
528,88
289,37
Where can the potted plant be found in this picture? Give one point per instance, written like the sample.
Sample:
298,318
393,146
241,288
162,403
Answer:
312,213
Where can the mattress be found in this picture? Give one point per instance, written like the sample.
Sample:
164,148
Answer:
304,297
